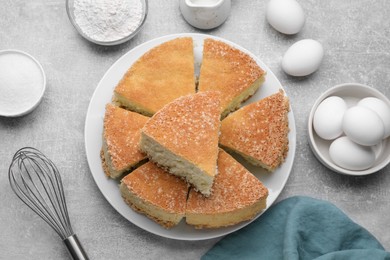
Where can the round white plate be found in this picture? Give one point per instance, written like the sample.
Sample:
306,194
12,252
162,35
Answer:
93,141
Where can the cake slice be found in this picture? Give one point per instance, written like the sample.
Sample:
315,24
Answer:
259,131
183,138
155,193
237,196
121,134
161,75
234,73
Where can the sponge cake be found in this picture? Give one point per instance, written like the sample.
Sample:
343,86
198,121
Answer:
121,134
259,131
155,193
161,75
237,196
229,70
183,138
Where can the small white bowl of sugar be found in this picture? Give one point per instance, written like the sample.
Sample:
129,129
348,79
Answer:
22,83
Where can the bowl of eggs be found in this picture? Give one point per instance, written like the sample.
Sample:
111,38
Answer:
349,129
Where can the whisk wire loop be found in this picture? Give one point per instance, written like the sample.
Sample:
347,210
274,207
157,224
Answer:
54,194
35,191
36,181
25,195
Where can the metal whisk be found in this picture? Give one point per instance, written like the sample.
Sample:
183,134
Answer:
36,181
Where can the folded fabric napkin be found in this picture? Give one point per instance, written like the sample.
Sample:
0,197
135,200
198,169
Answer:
300,228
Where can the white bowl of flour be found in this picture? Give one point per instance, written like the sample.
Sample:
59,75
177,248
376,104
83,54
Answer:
107,22
22,83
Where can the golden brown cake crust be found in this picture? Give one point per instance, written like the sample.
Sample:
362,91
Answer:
227,69
158,188
106,170
259,131
234,189
121,134
189,127
165,224
161,75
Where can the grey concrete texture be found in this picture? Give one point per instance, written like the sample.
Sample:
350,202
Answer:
355,35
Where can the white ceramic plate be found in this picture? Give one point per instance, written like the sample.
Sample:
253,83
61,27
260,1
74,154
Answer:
93,141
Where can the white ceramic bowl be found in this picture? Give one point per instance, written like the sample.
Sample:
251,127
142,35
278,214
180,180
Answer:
70,12
36,93
351,93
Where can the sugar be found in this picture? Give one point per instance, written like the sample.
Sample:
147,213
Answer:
21,82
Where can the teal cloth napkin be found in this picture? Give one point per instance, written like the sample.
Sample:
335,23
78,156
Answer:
300,228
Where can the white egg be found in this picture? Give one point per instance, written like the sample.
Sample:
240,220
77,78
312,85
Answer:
303,58
328,117
363,126
285,16
381,108
350,155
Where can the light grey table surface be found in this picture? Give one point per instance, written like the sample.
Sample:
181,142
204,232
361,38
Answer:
355,35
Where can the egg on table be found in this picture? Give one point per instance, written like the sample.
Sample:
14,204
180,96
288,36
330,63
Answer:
328,118
303,58
350,155
285,16
363,126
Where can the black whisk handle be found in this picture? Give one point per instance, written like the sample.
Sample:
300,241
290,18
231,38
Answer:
75,248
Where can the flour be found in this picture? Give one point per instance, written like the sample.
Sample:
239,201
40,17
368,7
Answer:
21,83
108,20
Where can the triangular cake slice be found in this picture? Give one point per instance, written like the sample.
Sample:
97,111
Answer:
183,138
259,131
121,134
161,75
237,196
155,193
231,71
